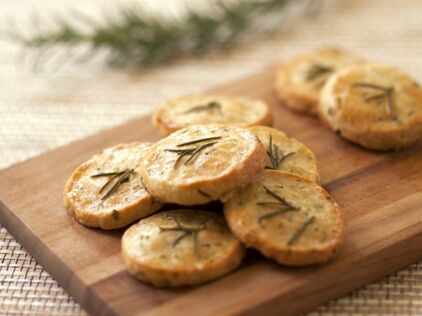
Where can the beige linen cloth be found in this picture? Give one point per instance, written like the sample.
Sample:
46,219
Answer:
40,111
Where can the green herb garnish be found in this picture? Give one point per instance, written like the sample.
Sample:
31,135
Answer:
116,179
317,71
279,201
192,152
186,232
384,92
210,106
295,236
132,36
276,155
201,140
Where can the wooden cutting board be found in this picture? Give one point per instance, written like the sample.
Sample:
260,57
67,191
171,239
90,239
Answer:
381,194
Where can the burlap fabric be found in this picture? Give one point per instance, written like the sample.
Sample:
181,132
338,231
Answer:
40,111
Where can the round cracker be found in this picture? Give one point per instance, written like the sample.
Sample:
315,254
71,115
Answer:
201,163
376,106
181,247
287,218
93,202
210,109
300,80
286,153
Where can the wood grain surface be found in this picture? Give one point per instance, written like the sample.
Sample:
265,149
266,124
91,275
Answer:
381,194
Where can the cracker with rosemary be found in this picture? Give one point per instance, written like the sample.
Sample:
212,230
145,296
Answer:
287,218
107,191
210,109
299,80
202,163
181,247
286,154
376,106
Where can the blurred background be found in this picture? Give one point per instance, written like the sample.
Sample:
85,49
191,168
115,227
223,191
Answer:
50,101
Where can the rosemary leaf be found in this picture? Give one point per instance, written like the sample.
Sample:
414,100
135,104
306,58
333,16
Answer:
106,174
183,154
275,155
186,232
213,105
283,205
192,152
317,71
275,213
280,199
386,92
370,85
116,179
199,141
296,235
284,157
375,97
198,150
110,181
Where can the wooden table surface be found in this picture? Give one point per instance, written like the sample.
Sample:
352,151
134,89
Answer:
43,110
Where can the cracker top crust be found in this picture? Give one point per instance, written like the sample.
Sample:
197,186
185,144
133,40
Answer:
286,153
300,80
377,106
210,109
200,163
287,218
179,240
93,203
181,247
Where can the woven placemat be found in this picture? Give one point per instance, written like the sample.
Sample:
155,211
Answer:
43,110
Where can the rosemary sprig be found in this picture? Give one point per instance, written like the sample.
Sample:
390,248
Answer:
385,92
276,155
186,232
191,152
295,236
181,152
198,150
275,213
134,37
283,205
317,71
210,106
115,180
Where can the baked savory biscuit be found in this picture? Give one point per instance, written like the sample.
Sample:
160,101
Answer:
210,109
202,163
107,190
181,247
376,106
299,80
287,218
287,154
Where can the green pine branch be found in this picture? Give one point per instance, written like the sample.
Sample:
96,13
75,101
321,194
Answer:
137,38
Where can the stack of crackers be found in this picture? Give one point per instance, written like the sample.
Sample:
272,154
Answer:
223,180
376,106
